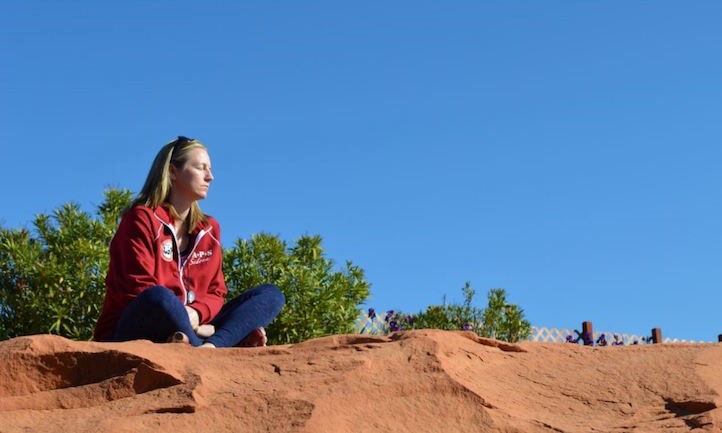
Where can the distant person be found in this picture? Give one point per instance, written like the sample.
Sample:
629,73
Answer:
165,281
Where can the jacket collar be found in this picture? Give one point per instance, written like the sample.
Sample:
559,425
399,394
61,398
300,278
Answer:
163,214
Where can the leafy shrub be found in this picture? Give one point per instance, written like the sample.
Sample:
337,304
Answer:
502,320
499,319
53,281
318,301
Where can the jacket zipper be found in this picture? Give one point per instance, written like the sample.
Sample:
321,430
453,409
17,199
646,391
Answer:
178,254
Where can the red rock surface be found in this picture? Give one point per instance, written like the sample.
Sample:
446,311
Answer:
418,381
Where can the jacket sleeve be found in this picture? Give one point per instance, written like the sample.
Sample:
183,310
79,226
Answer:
209,303
132,256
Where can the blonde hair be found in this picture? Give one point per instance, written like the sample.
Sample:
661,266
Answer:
157,188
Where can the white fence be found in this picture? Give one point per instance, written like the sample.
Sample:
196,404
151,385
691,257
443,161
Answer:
556,335
371,326
378,326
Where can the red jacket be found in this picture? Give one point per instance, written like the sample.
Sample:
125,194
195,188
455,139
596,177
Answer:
144,253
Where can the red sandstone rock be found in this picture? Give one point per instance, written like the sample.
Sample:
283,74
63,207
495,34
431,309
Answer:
417,381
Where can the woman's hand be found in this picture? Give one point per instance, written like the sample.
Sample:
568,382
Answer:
205,331
194,318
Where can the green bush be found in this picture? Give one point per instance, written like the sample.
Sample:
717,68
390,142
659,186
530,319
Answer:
499,319
451,316
319,301
53,281
502,320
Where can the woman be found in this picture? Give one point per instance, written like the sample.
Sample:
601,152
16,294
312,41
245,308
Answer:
165,281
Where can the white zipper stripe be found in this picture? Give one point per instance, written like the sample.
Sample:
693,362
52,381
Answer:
177,248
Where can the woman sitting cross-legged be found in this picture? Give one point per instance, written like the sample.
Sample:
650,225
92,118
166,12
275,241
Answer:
165,281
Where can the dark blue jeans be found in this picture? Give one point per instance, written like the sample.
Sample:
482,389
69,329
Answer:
157,313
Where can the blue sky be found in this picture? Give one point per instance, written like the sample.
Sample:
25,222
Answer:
565,151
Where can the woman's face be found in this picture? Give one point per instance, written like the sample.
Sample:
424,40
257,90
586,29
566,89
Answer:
191,181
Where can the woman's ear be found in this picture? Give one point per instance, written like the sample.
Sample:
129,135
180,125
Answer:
172,172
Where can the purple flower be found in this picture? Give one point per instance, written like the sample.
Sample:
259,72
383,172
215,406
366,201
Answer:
571,339
602,340
372,313
389,315
393,326
410,319
466,327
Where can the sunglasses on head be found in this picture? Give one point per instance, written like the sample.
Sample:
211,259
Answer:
180,141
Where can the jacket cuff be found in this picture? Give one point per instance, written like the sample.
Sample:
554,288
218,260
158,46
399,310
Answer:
203,311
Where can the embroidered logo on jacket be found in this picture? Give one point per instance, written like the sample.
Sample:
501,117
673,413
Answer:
199,257
167,250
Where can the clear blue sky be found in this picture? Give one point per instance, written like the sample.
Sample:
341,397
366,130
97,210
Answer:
567,151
